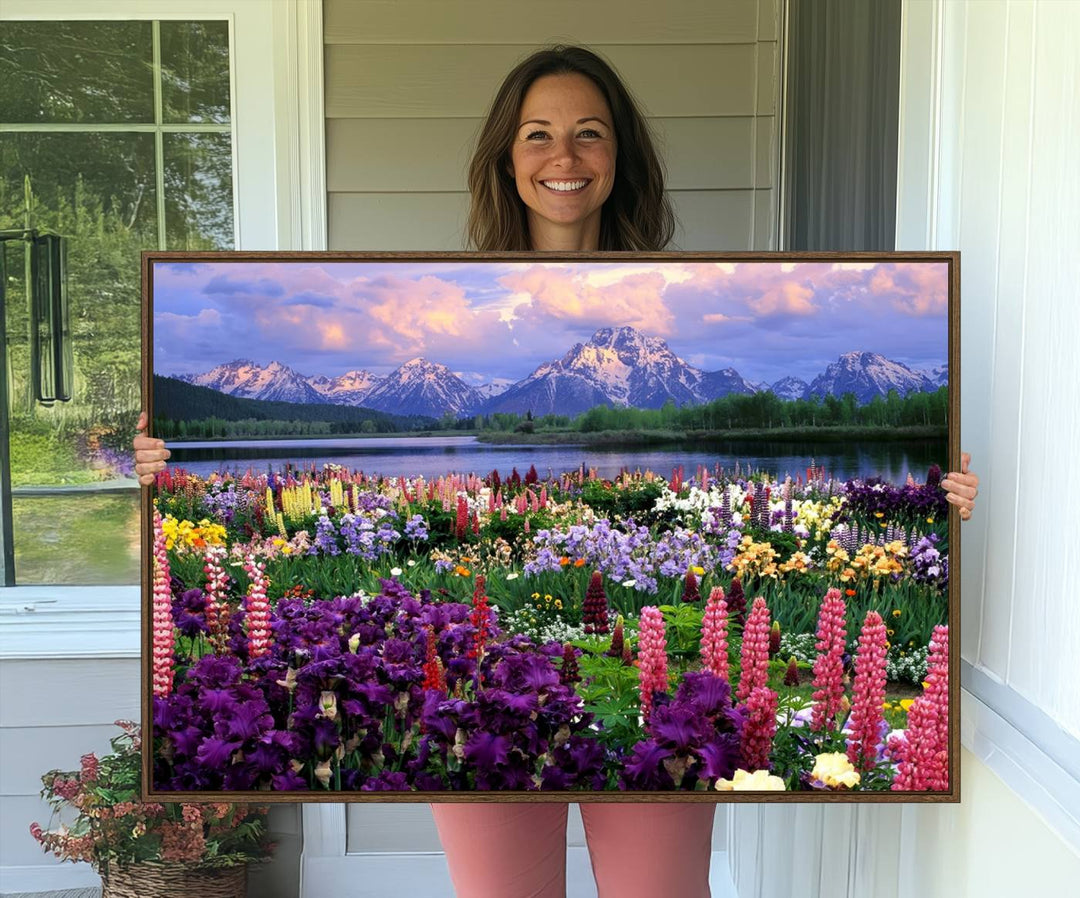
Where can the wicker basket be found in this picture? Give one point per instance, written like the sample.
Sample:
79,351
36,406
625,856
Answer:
150,880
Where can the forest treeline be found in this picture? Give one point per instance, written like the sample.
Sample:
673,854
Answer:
737,411
187,411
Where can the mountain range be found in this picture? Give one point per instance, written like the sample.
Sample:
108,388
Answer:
616,366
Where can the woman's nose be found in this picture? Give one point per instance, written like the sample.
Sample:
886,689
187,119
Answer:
564,150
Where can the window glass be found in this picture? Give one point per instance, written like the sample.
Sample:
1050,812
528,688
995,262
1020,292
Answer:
75,500
195,71
198,192
65,72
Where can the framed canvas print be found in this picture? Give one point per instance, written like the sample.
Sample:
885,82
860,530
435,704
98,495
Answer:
617,527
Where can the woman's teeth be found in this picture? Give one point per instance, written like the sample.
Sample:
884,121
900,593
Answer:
564,186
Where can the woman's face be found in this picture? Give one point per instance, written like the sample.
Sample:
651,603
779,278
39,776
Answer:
563,160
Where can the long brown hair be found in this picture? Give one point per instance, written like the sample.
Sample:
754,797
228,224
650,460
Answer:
637,214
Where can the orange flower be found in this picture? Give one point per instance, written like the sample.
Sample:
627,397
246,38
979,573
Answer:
850,592
579,562
462,571
564,561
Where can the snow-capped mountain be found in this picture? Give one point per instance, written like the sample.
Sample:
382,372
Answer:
790,388
717,384
245,379
494,388
867,374
420,387
349,388
939,375
620,366
616,366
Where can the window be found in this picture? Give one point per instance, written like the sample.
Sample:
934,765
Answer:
117,135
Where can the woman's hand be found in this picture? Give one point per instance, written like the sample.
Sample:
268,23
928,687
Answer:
150,454
961,489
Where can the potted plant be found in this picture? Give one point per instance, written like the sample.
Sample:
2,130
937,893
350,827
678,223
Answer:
168,850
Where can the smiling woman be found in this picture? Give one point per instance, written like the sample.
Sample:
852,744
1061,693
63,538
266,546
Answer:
563,160
563,116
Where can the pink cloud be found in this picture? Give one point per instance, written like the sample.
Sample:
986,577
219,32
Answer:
788,298
564,295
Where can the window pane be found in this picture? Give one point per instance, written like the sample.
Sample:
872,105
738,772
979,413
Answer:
198,192
76,72
98,191
82,540
195,71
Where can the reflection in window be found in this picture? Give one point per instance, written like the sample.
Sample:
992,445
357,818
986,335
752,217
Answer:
118,136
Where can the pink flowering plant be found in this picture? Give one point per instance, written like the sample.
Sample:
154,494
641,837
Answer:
112,827
335,632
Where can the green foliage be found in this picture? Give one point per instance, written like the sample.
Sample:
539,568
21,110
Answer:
233,834
635,501
682,628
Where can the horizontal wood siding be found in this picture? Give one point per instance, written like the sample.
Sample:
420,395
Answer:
408,83
525,22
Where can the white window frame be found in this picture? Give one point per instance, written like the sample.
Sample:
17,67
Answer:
276,56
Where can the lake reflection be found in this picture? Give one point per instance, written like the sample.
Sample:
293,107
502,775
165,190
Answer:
433,456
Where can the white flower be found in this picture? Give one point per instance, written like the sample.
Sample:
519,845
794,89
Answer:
513,576
629,582
411,562
395,572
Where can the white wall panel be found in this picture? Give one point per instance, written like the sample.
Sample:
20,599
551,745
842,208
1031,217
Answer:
1045,625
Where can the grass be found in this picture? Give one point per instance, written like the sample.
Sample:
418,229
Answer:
77,540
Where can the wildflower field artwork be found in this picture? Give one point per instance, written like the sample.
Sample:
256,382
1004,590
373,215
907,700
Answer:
567,529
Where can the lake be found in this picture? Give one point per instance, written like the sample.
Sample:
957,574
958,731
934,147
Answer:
433,456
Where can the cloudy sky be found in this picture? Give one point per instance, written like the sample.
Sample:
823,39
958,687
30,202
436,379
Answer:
488,320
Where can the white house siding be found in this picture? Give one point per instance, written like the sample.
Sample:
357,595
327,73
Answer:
408,83
56,709
989,141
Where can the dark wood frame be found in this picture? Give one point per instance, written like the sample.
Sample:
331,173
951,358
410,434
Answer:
264,797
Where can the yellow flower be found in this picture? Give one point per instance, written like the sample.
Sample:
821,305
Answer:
835,771
758,781
896,613
536,595
698,570
879,514
906,703
929,520
558,603
890,632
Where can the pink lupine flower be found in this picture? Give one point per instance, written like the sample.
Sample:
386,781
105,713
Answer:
829,665
869,693
162,627
755,650
462,517
760,728
652,657
257,608
714,630
216,587
923,751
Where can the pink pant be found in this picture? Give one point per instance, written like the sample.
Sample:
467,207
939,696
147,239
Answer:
518,850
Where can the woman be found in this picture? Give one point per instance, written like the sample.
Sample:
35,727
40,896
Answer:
565,163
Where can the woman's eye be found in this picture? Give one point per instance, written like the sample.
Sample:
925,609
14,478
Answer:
536,135
589,132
